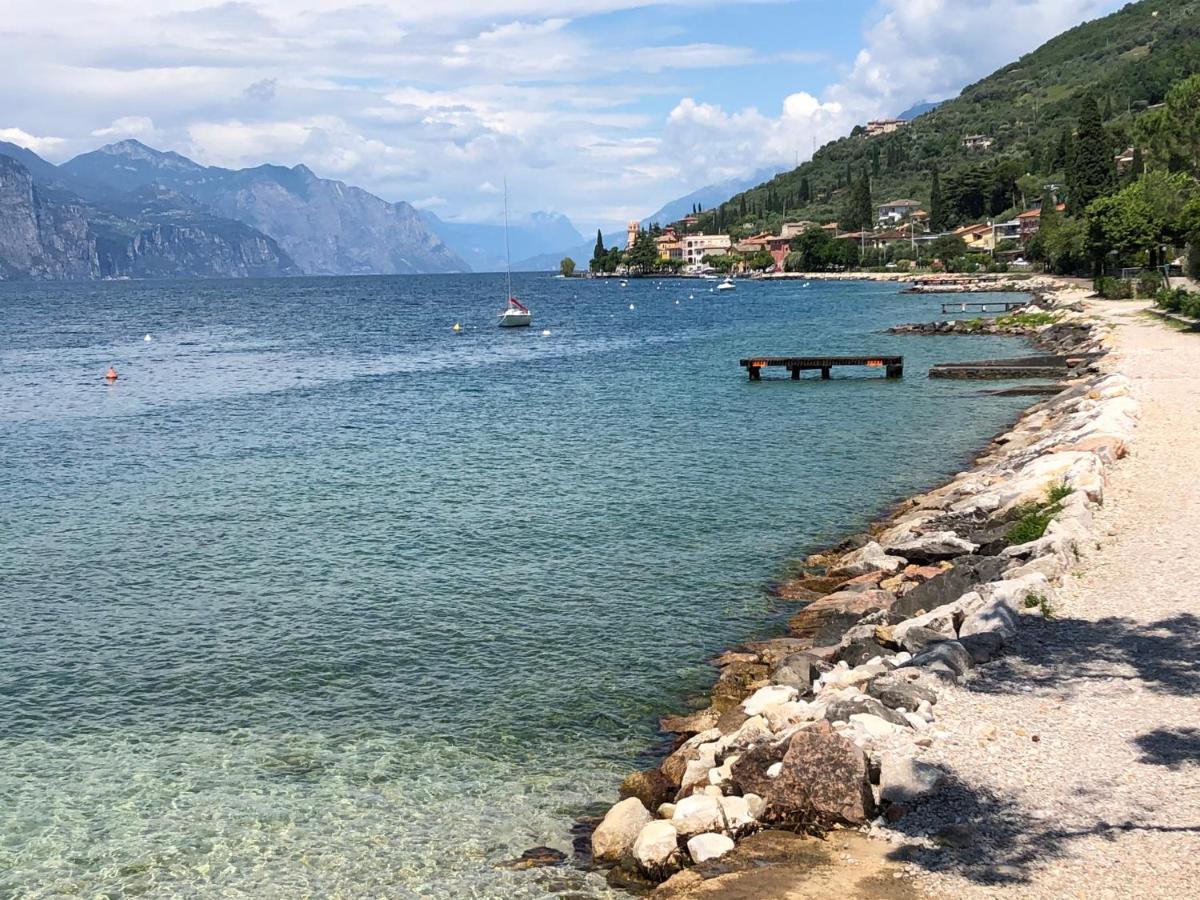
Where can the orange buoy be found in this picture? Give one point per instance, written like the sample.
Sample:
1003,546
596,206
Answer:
111,374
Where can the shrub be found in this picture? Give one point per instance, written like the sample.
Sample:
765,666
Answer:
1148,283
1026,320
1114,288
1032,519
1178,300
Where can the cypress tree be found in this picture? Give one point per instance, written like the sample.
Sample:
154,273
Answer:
598,252
875,160
859,214
936,212
1090,173
805,191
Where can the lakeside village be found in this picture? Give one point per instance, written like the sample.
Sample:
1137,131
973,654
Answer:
1129,219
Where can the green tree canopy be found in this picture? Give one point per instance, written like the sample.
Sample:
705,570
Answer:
567,266
1091,171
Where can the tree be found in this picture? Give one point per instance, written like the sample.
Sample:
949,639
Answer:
1171,135
598,254
1060,159
937,212
859,214
947,247
1090,174
643,255
567,266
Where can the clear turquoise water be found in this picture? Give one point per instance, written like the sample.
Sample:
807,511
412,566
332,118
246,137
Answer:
322,599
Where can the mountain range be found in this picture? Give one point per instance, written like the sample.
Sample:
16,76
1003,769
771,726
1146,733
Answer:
128,210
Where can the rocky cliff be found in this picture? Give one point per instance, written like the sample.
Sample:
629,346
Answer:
327,227
48,233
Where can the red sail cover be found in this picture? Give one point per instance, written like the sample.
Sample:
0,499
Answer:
513,301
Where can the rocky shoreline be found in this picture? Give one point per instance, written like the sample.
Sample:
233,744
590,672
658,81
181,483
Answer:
825,728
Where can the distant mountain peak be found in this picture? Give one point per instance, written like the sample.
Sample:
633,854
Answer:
132,148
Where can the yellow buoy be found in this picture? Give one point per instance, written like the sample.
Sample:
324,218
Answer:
457,328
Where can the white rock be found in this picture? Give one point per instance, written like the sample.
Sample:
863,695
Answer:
937,543
874,727
615,835
738,816
925,710
869,558
666,810
774,769
757,805
785,714
771,695
697,814
903,779
750,732
704,847
916,721
656,848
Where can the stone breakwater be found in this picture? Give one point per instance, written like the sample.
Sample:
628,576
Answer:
825,728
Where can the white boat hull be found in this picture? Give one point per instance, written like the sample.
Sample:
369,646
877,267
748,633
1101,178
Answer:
515,318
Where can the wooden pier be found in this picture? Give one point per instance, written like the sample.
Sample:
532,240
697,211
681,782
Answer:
893,365
994,306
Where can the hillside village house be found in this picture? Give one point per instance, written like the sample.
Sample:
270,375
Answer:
669,245
698,246
1030,221
795,229
978,238
977,142
776,244
898,210
877,127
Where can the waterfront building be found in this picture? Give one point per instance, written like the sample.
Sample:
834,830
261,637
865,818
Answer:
898,210
698,246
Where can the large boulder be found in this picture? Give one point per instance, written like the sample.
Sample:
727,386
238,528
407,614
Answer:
860,651
964,577
842,710
822,779
916,639
796,670
870,558
614,837
897,692
656,850
737,682
766,697
697,814
824,622
948,659
650,786
933,547
906,780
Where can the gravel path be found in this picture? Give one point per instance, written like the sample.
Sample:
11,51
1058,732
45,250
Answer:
1075,759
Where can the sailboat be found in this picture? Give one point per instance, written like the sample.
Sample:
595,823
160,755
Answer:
515,314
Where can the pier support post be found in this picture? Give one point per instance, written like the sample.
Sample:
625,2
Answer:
825,373
895,371
795,373
755,373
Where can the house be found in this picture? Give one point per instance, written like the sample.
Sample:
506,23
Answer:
795,229
877,240
877,127
698,246
978,238
1124,160
1005,231
977,142
776,244
669,245
898,210
831,227
1030,221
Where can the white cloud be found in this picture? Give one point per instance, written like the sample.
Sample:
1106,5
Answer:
39,145
913,50
127,127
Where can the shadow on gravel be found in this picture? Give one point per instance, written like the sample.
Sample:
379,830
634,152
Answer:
1174,748
989,838
1049,656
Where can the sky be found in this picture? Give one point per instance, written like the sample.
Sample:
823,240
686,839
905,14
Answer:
598,109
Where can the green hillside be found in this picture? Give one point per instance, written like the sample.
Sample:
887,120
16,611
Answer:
1127,61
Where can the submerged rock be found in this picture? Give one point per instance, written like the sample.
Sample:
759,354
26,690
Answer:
536,857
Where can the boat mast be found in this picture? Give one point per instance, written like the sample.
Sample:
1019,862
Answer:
507,256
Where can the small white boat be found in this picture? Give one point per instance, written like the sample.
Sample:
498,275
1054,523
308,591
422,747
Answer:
727,285
516,315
